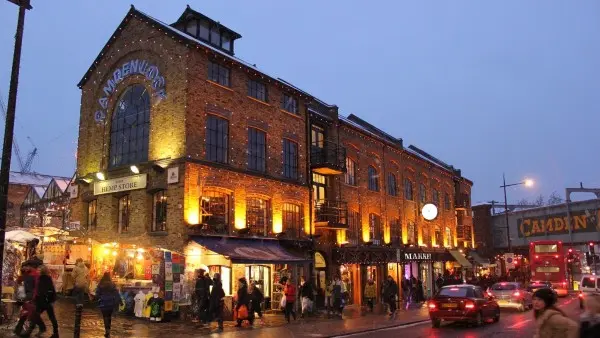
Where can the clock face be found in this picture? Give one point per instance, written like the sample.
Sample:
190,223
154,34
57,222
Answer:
429,211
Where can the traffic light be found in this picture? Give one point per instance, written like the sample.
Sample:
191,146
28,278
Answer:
592,248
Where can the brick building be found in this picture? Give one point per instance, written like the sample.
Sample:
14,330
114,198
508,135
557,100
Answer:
187,148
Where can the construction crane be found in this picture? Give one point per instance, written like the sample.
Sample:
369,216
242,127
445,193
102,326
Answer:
24,165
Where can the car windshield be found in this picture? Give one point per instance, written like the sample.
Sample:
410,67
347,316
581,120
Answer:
503,287
453,292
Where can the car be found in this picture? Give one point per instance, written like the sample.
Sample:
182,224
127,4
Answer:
536,285
511,295
462,303
589,284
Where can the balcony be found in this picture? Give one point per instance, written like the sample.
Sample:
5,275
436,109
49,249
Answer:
331,214
462,202
330,159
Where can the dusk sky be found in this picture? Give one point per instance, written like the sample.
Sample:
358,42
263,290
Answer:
487,86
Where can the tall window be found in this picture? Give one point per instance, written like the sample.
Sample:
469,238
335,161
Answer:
290,159
447,204
124,204
257,215
392,188
408,189
426,235
350,175
319,187
422,193
257,90
159,221
448,234
373,179
317,137
439,240
395,231
257,150
92,215
292,223
435,197
375,228
215,211
289,103
411,233
217,136
218,74
354,233
130,127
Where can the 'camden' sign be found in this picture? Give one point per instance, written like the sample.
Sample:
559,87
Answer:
417,256
131,67
120,184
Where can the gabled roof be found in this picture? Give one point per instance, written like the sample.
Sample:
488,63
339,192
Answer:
32,179
40,191
189,12
62,184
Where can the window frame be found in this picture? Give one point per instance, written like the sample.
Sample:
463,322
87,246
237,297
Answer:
286,101
220,142
159,211
414,239
255,92
350,174
123,213
223,74
435,197
257,150
408,190
206,204
290,159
375,228
267,215
373,183
92,224
392,184
447,202
422,193
291,219
354,227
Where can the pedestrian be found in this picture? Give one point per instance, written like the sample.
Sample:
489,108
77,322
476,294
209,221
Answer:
370,295
243,300
44,296
108,299
590,319
217,301
407,290
201,291
81,277
256,299
329,298
337,294
420,291
306,296
439,282
29,279
551,322
290,299
390,292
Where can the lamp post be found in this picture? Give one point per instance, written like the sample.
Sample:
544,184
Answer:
527,183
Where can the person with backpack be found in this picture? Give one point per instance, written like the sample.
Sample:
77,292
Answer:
108,299
550,321
590,319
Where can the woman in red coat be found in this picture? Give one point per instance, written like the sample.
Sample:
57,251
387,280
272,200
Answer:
290,298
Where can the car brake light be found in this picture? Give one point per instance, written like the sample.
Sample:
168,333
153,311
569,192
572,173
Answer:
564,283
454,289
581,295
469,306
517,294
502,283
490,294
432,305
536,256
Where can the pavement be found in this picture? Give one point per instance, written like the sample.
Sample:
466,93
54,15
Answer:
274,325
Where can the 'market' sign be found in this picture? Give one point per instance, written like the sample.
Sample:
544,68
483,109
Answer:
120,184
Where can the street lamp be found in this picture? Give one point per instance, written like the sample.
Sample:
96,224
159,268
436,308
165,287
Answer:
528,183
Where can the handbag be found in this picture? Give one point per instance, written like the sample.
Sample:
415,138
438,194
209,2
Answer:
242,312
283,302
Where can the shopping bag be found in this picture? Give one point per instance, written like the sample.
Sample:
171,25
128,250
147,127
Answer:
283,302
305,304
242,313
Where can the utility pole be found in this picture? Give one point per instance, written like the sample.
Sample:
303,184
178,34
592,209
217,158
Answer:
10,122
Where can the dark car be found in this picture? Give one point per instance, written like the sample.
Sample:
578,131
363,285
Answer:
511,295
463,303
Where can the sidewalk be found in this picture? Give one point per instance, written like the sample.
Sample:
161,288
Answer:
275,325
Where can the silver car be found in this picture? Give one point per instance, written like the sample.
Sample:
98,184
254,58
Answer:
511,295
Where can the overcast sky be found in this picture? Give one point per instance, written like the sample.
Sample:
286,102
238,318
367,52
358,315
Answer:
487,86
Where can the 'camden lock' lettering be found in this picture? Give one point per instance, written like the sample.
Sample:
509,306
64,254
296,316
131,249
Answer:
581,221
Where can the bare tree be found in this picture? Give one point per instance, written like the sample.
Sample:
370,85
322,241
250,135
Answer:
554,199
539,201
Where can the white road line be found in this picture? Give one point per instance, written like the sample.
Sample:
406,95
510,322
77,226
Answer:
519,324
382,329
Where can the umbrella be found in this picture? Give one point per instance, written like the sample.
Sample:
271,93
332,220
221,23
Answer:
19,236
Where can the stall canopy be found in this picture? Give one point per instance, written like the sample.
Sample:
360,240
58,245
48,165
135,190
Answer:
462,260
20,236
247,251
479,260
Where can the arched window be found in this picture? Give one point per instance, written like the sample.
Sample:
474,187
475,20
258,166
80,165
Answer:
130,127
373,179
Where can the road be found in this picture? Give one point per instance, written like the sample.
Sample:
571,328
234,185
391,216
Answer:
512,324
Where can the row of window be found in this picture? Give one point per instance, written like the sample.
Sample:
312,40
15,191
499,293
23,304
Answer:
392,185
256,89
217,145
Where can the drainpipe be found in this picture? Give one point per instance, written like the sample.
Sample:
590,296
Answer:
309,182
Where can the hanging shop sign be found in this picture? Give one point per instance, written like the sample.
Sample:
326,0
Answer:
120,184
556,224
129,68
173,175
319,261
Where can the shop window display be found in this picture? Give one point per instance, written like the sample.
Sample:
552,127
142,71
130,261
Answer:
262,276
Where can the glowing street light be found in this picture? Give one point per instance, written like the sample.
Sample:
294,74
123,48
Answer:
528,183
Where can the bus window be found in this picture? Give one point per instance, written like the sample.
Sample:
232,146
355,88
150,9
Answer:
546,248
547,269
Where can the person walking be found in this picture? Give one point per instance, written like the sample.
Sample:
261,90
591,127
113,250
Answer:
81,277
329,297
370,294
256,299
290,299
551,322
338,295
439,282
243,299
306,296
44,296
108,299
390,291
201,292
216,300
590,319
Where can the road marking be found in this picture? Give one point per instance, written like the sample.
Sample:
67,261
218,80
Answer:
383,329
519,324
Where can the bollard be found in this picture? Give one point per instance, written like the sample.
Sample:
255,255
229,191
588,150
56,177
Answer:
77,329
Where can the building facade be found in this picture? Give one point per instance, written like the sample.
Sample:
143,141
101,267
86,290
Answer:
187,148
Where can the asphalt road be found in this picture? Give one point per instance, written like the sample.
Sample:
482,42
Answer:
512,324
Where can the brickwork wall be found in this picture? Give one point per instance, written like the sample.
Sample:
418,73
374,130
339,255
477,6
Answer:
16,196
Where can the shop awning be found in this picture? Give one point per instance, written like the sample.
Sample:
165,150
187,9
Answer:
462,260
479,260
247,251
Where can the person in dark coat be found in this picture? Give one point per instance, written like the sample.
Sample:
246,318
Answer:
30,277
243,298
390,290
202,292
256,299
420,291
43,299
108,299
306,295
216,300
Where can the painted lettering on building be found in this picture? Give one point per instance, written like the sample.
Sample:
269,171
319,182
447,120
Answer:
120,184
557,224
129,68
417,256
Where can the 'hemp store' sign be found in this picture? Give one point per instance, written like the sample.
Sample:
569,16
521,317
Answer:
131,67
120,184
556,224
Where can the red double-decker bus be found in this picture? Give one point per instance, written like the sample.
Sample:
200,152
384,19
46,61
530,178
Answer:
548,264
